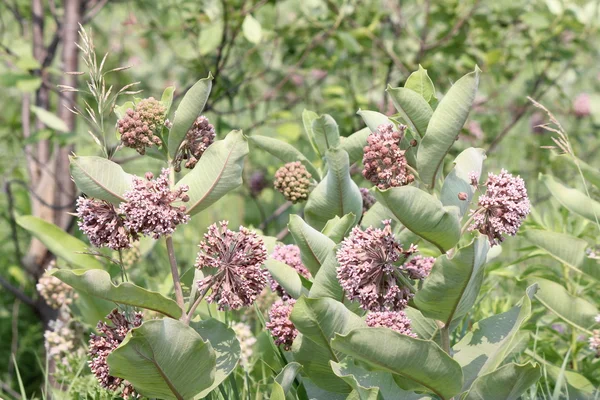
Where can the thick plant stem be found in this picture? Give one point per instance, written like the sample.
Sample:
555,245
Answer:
175,274
190,314
444,336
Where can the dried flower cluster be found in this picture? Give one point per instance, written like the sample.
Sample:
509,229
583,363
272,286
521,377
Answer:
290,255
280,325
367,270
139,127
384,162
237,258
102,224
503,207
396,320
101,346
55,292
419,267
149,210
293,181
582,105
197,139
247,342
368,199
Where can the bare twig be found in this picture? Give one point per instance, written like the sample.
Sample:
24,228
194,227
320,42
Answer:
16,292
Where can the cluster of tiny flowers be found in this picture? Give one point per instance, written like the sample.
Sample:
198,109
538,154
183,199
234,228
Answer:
101,346
290,255
384,162
131,256
247,341
149,210
197,139
102,224
367,272
237,257
582,105
258,183
595,342
139,126
280,325
503,207
55,292
419,267
367,198
396,320
293,181
61,340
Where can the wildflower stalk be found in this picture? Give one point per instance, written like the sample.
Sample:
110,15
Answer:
175,274
190,313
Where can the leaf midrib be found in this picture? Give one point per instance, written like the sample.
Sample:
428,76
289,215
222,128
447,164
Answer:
121,198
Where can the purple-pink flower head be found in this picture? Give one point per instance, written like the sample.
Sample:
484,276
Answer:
197,139
102,224
396,320
149,208
368,199
582,106
368,272
290,255
237,258
503,207
140,127
384,162
419,267
293,181
594,342
280,325
101,346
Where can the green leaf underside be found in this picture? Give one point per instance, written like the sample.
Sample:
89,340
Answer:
458,181
506,383
286,276
314,246
100,178
354,144
413,109
337,228
283,151
420,82
326,133
572,199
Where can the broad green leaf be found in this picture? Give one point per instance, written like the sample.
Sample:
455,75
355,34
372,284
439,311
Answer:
166,359
425,328
451,289
59,242
490,341
283,151
91,309
97,283
218,171
326,283
100,178
576,311
420,82
314,246
572,199
565,248
373,119
286,276
336,194
320,319
336,228
457,181
308,117
415,111
284,380
354,144
376,215
423,214
49,119
226,346
446,123
326,133
189,109
167,98
252,29
122,109
506,383
420,361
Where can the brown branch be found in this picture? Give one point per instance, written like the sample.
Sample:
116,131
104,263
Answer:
17,292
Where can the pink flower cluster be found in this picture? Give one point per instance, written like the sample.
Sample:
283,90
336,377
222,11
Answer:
368,199
396,320
102,224
149,210
503,207
419,267
293,181
280,325
237,258
101,346
197,139
384,162
368,272
290,255
595,342
140,127
582,106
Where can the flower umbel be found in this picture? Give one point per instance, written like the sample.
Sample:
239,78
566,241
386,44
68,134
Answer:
595,342
367,270
293,181
384,162
139,126
237,258
290,255
419,267
149,210
101,223
197,139
280,326
56,293
396,320
247,341
101,346
503,207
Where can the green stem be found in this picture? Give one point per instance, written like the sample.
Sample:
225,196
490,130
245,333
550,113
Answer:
190,314
175,274
444,336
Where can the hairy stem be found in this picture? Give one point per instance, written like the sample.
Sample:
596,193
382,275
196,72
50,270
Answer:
175,274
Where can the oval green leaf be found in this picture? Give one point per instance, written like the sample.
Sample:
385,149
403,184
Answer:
508,382
283,151
326,133
458,181
572,199
286,276
314,246
354,144
100,178
420,82
413,109
337,228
